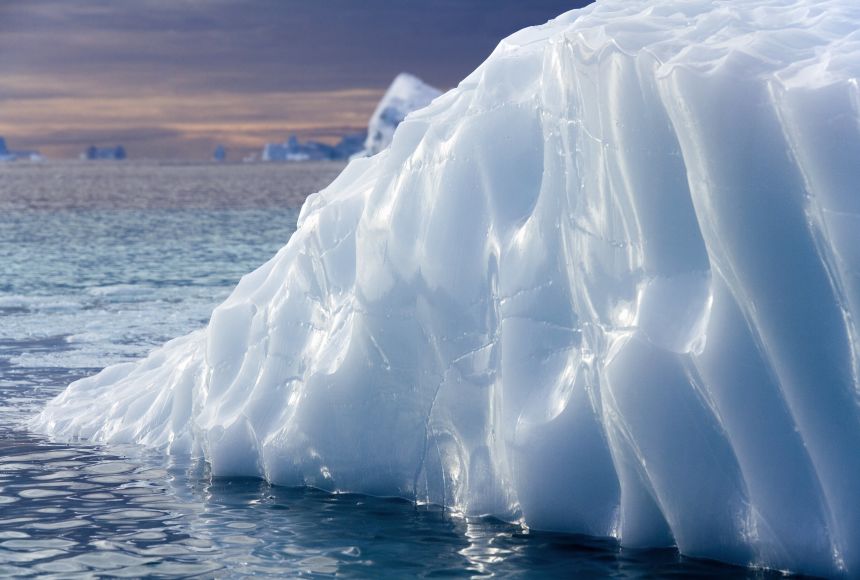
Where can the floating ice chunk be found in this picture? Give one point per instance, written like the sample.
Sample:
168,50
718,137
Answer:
607,285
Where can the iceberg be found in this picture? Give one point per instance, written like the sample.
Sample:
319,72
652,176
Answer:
406,93
294,150
609,284
7,155
94,153
220,154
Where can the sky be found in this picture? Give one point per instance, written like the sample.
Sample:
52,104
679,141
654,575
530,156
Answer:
173,78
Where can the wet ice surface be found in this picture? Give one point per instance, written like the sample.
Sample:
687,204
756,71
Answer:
102,262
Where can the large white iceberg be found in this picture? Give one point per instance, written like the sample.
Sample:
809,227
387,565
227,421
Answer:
610,284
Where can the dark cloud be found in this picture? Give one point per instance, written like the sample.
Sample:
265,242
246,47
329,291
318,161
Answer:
125,135
96,49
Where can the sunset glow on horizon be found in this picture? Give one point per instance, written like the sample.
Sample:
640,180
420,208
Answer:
172,79
159,126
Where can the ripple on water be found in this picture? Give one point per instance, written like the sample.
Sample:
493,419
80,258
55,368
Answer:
75,485
319,565
39,493
51,510
22,557
60,525
157,474
64,484
171,569
108,479
99,496
239,539
110,560
37,544
110,468
131,515
62,474
164,551
15,466
242,525
148,536
39,458
15,521
199,545
63,566
139,491
67,464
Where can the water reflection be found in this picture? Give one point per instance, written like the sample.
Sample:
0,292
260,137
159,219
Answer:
82,509
126,512
86,511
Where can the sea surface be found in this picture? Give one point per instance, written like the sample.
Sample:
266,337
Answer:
102,261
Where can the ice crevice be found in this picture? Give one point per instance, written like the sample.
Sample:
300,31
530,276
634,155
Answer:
608,285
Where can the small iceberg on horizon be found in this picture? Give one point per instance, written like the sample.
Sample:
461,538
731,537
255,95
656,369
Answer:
609,285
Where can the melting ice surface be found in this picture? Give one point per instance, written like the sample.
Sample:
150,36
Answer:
607,285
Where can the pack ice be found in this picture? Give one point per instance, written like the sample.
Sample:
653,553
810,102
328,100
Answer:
609,285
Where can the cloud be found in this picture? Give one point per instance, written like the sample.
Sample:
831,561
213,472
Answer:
104,137
195,122
237,65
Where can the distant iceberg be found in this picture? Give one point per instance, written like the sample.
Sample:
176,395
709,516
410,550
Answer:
220,154
610,284
294,150
406,93
9,155
93,153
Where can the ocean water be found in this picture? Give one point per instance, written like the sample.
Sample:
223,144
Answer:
99,263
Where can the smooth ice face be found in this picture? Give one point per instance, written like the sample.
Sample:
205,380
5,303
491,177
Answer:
607,285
